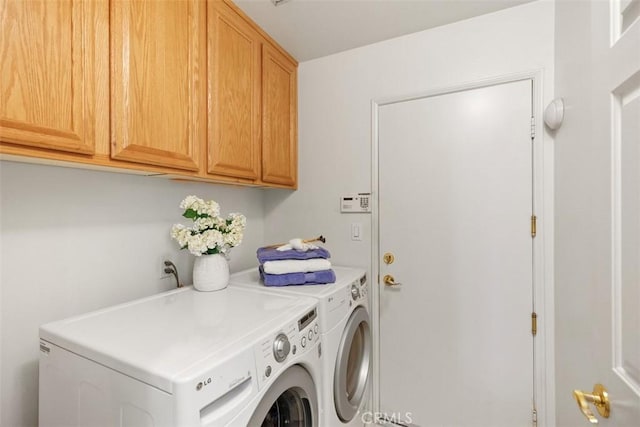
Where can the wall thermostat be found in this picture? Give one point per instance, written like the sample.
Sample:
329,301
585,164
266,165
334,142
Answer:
358,203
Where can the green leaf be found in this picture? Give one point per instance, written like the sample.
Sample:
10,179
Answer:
190,213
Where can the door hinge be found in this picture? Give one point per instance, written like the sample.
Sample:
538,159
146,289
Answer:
534,418
534,323
533,127
534,223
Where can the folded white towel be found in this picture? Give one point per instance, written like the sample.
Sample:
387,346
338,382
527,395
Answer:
296,266
298,245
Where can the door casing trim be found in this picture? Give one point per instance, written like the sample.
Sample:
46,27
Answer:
543,268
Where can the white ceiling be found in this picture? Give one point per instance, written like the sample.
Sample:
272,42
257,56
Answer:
310,29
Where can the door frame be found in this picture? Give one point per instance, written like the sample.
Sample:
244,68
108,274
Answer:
543,285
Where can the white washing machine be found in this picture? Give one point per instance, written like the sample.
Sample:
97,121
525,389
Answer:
345,337
234,357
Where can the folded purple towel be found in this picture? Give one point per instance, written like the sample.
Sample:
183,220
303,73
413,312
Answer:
272,254
314,278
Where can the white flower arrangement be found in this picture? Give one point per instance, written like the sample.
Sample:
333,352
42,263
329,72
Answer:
211,234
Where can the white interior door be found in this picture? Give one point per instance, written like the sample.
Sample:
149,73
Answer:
455,205
597,194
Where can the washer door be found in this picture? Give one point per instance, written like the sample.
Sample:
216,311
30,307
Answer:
290,401
352,365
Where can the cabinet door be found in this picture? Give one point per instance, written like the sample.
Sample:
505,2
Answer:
158,94
279,118
48,72
234,85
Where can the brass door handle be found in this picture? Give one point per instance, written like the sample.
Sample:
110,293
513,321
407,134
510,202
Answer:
599,398
390,281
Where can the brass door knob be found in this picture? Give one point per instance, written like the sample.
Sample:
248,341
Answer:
390,281
599,398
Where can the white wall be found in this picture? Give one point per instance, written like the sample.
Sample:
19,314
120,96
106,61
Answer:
74,241
581,171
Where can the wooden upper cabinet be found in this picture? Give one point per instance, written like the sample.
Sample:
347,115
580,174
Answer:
158,86
234,87
279,118
48,72
191,88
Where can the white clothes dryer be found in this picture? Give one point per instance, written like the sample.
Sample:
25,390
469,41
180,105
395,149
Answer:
185,358
345,337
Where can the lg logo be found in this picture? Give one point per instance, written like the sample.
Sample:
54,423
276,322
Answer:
202,384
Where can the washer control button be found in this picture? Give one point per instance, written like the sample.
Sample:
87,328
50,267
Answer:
294,349
310,335
281,347
267,371
303,342
315,329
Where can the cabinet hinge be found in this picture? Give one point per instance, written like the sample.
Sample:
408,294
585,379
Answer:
534,223
534,323
533,127
534,418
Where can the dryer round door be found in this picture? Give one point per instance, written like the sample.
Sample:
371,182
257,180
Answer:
290,401
353,365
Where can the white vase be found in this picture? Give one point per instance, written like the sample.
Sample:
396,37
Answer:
210,272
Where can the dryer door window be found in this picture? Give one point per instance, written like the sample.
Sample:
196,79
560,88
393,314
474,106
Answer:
353,365
290,401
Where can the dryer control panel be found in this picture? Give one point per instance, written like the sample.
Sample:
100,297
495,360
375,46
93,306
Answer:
358,290
296,338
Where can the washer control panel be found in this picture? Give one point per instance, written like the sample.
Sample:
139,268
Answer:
359,289
291,341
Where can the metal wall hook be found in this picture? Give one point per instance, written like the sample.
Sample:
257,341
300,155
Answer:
172,269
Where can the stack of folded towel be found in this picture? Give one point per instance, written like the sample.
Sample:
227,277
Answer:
295,265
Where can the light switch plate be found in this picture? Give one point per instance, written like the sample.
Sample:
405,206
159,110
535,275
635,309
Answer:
356,231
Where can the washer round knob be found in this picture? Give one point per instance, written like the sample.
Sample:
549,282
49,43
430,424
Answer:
281,347
355,292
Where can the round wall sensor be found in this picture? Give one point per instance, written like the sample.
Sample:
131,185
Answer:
554,114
